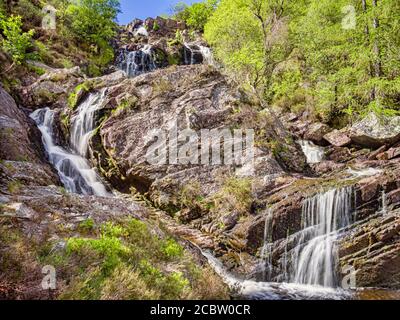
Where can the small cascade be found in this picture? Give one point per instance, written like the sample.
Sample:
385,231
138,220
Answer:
197,54
253,290
314,259
141,31
74,170
314,154
266,251
83,122
137,62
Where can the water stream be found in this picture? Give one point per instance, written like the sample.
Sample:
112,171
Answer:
73,168
137,62
314,153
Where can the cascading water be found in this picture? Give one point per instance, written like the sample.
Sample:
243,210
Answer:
266,251
312,259
324,216
74,170
137,62
196,54
314,154
83,122
141,31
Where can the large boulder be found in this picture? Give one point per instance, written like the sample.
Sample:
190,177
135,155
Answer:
375,131
53,88
316,132
337,138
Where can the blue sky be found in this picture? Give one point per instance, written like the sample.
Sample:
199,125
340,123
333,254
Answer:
143,9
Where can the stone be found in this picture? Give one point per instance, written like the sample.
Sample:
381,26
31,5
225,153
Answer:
374,131
393,153
316,132
337,138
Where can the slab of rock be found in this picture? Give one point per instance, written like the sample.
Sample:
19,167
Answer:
373,250
316,132
337,138
374,131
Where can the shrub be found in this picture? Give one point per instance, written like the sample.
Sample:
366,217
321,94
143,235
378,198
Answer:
15,42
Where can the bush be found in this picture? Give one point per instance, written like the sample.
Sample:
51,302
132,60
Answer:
93,20
15,42
127,261
196,15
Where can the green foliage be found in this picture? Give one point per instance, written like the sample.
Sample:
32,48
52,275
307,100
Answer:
14,186
87,226
195,15
237,38
93,20
73,98
171,249
126,260
301,55
15,42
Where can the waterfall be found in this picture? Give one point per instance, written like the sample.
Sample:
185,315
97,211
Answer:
83,122
73,169
137,62
253,290
314,259
141,30
266,251
314,154
196,54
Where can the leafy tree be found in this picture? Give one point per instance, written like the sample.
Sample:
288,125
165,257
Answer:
15,42
94,20
196,15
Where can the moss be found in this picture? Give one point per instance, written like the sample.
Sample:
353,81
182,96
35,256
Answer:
87,226
14,186
126,104
39,71
162,86
44,96
76,95
173,60
156,26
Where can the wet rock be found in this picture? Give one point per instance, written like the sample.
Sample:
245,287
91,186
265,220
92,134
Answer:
338,154
337,138
20,143
369,188
393,197
374,131
327,166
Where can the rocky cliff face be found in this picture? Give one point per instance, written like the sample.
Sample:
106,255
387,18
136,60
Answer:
168,82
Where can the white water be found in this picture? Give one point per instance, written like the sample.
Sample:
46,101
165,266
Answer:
194,51
83,122
266,251
314,260
273,291
137,62
74,170
314,154
142,31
